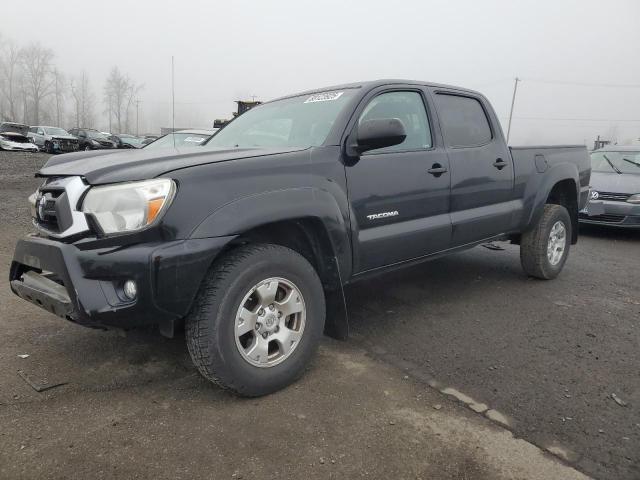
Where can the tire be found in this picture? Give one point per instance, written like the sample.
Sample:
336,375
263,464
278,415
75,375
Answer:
48,147
212,326
538,256
87,148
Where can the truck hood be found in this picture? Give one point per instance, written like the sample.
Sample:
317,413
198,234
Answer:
108,166
615,183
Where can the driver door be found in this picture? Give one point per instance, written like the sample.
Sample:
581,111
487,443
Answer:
399,195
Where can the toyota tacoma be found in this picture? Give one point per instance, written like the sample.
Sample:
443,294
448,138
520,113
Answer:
249,240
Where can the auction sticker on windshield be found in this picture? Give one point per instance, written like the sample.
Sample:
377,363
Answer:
323,97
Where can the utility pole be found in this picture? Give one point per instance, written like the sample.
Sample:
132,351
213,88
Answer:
513,101
173,98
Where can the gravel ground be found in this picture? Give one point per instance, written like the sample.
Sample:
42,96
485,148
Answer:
543,357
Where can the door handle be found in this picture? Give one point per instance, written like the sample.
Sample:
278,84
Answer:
436,170
499,164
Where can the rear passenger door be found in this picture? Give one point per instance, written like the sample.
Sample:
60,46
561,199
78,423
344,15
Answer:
482,176
399,195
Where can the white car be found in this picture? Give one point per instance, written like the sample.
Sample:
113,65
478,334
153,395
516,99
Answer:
13,137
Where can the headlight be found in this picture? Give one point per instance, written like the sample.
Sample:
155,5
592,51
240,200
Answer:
94,142
128,207
634,198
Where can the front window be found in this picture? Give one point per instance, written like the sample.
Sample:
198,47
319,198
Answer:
302,121
616,162
55,131
96,135
135,141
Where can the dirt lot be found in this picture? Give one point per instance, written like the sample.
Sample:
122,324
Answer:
543,358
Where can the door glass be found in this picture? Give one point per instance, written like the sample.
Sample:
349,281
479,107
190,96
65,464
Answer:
464,121
407,107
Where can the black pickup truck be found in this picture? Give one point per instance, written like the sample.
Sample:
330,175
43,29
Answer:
248,240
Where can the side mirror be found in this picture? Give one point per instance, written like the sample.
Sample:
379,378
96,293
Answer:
379,133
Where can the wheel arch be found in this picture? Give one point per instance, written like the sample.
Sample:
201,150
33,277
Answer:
564,193
558,185
305,220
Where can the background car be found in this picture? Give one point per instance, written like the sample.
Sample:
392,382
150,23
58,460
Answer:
90,139
182,139
615,188
52,139
13,137
124,140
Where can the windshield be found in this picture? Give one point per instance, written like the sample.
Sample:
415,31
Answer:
179,140
303,121
616,162
96,135
131,140
55,131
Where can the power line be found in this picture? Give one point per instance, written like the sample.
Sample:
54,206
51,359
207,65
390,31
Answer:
581,84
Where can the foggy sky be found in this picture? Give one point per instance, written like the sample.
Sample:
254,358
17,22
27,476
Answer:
235,49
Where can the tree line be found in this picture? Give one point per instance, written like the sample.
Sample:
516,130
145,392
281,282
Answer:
35,92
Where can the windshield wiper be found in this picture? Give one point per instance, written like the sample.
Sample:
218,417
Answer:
612,165
628,160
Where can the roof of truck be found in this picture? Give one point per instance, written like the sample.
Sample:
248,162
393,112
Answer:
378,83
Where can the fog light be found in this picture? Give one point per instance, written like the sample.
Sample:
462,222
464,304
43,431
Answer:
130,289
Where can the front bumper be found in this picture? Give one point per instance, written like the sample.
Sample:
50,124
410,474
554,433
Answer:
18,147
616,214
86,286
64,146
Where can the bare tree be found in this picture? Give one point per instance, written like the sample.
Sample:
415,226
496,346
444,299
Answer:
120,93
84,101
10,79
59,90
39,78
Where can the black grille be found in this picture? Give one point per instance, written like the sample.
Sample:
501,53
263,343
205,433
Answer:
613,197
608,218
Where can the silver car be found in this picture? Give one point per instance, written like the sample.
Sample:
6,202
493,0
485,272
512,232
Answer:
53,139
615,188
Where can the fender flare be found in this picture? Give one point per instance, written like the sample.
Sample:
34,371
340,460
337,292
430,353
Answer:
246,213
550,178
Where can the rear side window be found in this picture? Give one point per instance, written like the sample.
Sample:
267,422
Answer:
464,121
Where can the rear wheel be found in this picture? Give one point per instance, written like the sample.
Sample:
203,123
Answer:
257,320
544,250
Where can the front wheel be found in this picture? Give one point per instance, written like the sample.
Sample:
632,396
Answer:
544,250
257,319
